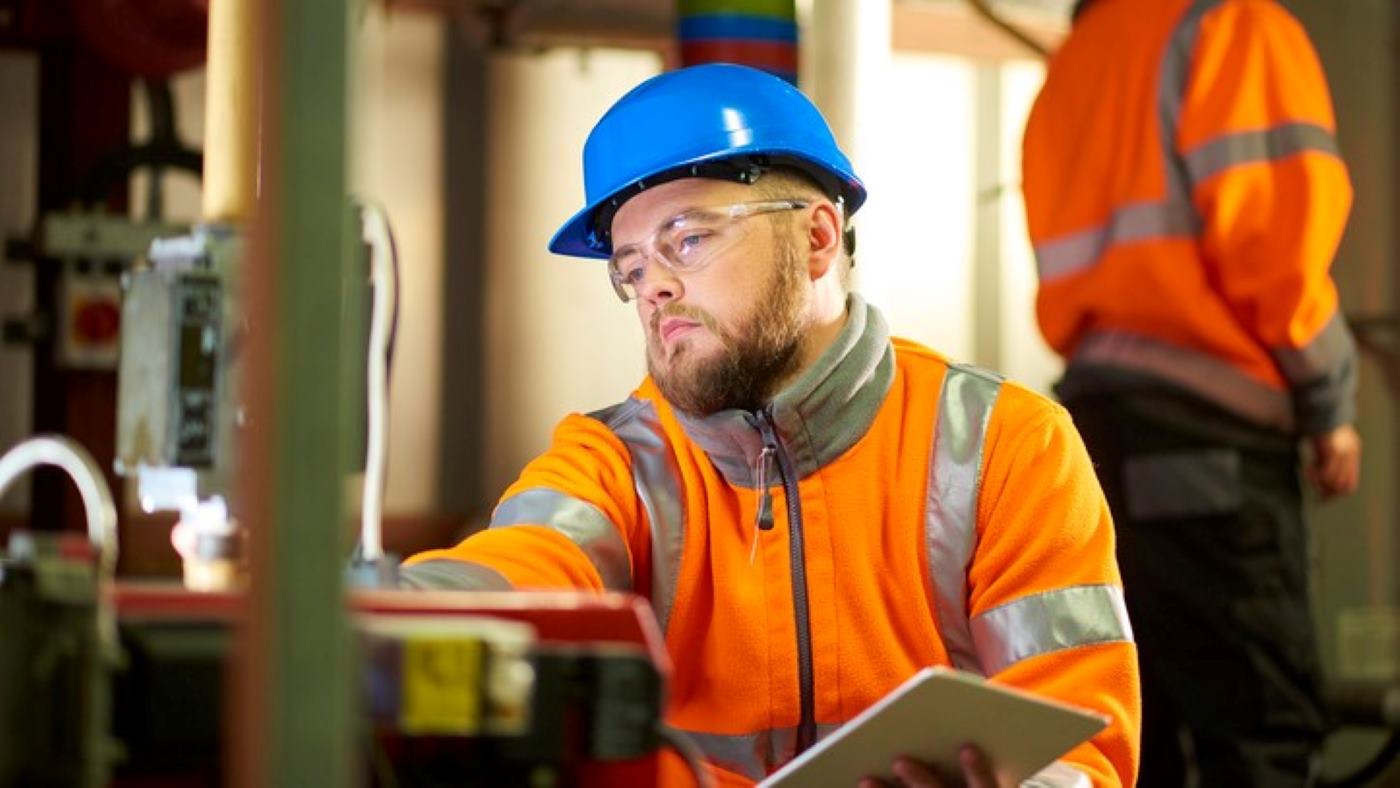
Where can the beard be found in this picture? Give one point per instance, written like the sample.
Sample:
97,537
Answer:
754,356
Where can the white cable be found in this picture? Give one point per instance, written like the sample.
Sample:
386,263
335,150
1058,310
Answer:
375,229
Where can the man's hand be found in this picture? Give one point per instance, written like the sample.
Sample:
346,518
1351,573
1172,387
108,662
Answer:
1335,466
909,773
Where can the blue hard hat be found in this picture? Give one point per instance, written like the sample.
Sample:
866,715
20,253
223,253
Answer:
713,120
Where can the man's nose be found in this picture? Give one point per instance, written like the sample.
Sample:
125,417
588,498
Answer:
659,284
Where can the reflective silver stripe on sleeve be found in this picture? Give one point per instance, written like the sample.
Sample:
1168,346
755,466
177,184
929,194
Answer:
445,574
950,511
1070,254
1215,379
583,523
1050,621
752,754
1245,147
658,484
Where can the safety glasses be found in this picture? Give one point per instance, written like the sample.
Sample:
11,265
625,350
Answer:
687,242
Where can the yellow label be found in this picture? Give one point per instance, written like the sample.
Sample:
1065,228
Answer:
442,685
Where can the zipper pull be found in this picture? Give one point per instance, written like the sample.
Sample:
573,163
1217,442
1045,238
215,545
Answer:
763,518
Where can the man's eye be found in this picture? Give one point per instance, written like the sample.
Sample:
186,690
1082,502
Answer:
691,242
632,272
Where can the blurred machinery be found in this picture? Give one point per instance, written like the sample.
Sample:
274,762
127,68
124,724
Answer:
59,635
177,388
452,688
459,689
103,683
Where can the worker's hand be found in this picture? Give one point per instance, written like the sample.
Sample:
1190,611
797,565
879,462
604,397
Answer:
976,773
1335,466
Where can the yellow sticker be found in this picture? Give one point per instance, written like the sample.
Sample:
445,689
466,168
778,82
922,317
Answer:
442,686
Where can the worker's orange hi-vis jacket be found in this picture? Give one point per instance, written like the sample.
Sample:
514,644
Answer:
1185,198
914,513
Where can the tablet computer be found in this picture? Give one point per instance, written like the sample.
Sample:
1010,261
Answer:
930,717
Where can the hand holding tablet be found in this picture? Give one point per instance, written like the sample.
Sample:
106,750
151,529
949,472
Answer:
930,718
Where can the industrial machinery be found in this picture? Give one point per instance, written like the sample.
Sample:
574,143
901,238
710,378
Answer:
454,688
108,683
177,408
124,684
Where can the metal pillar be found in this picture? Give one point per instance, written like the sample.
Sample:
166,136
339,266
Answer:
293,690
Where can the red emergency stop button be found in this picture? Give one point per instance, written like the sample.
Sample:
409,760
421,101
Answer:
96,322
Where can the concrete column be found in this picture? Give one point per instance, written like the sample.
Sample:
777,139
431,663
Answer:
846,61
845,52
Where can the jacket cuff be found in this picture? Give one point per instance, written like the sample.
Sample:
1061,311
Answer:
1058,775
445,574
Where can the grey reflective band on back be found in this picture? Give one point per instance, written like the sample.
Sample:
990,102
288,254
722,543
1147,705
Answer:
1137,222
752,754
1246,147
1052,621
658,484
1211,377
445,574
583,523
950,511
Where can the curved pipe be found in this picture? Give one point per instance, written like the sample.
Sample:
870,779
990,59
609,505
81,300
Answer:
67,454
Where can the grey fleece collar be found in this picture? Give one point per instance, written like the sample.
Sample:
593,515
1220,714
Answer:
821,415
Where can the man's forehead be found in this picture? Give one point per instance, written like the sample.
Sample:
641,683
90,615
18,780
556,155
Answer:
640,215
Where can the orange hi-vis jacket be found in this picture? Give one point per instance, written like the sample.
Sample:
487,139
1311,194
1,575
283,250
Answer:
914,513
1185,198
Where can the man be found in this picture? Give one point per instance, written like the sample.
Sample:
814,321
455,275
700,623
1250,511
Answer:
1185,199
816,511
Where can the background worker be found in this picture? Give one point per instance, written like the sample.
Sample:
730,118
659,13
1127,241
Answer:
814,509
1185,199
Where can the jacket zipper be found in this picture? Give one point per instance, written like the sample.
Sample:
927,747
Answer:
807,726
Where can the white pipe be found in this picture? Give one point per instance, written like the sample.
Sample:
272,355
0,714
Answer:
100,510
376,233
98,506
847,45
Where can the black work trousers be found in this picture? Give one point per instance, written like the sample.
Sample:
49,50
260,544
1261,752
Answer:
1213,551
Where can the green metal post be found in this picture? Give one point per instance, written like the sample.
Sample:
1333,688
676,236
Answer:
298,729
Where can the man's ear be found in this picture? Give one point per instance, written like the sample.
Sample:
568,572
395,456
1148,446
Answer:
823,239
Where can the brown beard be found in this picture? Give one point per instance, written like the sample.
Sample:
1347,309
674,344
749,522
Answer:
761,352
